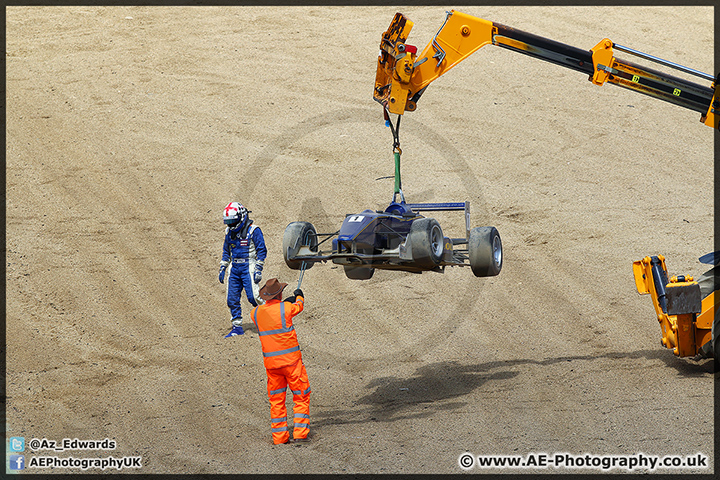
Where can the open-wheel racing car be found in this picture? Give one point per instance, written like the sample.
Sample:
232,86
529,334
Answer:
398,238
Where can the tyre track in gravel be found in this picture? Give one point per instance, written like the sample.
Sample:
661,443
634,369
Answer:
128,264
407,371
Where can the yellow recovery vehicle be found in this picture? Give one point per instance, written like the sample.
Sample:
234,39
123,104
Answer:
402,77
686,314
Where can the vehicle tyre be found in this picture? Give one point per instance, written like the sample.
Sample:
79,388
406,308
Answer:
485,251
426,240
296,235
358,273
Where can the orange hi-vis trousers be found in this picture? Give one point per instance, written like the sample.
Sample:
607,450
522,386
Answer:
279,379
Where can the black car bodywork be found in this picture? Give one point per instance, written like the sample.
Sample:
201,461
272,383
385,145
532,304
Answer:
398,238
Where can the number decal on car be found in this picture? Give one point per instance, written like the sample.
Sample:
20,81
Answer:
356,218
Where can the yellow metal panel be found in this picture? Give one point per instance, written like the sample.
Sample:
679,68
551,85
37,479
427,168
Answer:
685,335
712,117
459,38
702,336
709,306
602,54
641,282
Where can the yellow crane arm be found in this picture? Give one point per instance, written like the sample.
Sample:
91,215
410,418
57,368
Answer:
403,75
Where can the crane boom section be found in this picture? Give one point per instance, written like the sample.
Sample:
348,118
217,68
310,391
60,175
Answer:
402,76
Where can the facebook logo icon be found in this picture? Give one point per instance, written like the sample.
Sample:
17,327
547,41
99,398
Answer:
17,462
17,444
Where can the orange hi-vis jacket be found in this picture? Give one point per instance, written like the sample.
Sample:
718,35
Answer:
278,339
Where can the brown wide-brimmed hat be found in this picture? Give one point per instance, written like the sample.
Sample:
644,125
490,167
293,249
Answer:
272,289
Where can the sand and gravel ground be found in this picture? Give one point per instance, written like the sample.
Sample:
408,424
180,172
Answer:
130,128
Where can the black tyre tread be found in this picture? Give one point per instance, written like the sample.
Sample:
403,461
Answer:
420,241
480,249
293,236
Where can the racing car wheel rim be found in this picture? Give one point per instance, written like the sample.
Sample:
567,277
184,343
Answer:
497,251
436,240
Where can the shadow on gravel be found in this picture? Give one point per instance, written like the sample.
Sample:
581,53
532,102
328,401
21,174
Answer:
431,386
398,398
685,366
418,396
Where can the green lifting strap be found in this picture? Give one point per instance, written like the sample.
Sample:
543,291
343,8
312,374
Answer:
397,173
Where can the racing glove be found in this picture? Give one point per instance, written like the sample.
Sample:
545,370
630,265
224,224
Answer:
221,275
257,276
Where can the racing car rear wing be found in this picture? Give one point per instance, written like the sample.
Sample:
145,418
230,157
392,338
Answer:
440,207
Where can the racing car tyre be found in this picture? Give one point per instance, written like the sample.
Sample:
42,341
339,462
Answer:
358,273
485,251
426,241
296,235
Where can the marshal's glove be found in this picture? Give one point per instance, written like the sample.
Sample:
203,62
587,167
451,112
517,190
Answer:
257,276
221,275
298,293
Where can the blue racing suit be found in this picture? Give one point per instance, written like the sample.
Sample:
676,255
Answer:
244,252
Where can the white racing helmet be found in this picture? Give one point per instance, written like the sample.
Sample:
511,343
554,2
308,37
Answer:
234,213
